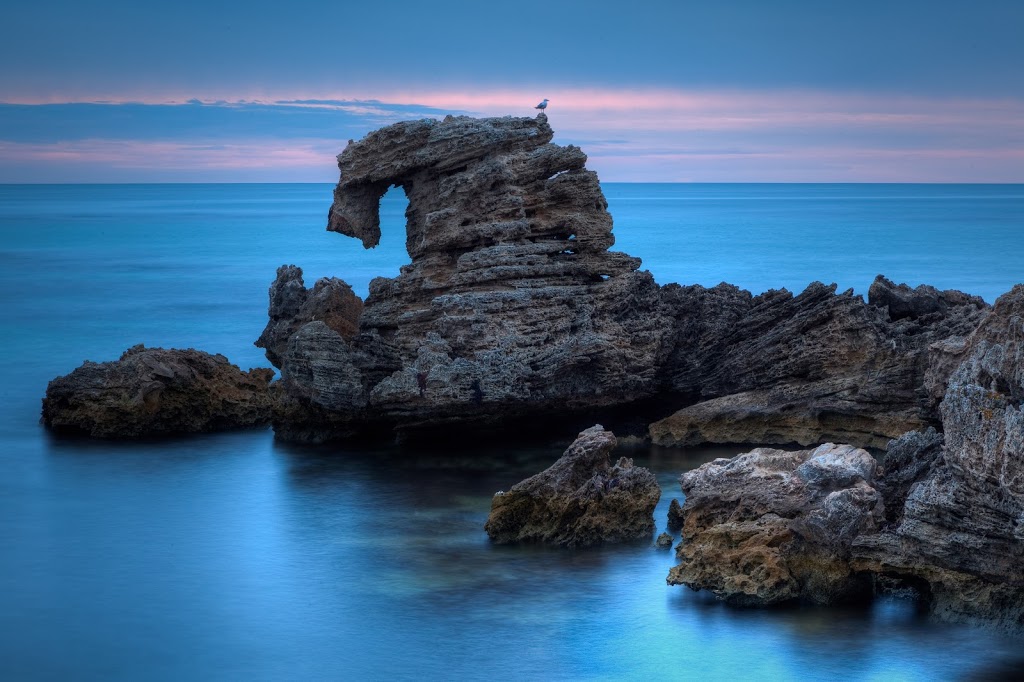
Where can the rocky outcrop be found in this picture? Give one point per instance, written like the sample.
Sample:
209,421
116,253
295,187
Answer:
960,536
512,305
945,517
770,526
778,368
292,306
579,500
152,391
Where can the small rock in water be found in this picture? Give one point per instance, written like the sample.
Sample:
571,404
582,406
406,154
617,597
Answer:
675,515
664,540
580,500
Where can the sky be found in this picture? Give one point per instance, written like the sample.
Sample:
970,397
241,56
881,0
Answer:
681,91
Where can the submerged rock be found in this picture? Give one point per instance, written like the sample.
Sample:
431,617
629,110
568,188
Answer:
152,391
770,526
579,500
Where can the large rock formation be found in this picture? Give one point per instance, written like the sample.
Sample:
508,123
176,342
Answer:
512,304
152,391
579,500
946,516
959,536
771,526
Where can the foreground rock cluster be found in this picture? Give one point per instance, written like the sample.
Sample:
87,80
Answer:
944,516
580,500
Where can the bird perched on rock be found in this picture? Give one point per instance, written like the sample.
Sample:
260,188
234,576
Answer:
543,105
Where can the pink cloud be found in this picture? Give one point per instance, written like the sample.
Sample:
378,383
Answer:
644,135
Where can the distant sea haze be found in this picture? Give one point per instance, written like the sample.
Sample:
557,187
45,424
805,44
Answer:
234,556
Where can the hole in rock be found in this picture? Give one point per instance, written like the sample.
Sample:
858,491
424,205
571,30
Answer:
391,253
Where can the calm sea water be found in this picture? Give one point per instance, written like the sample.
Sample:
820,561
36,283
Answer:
233,556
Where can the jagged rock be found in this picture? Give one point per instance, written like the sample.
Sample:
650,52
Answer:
922,303
778,368
330,301
960,538
152,391
770,526
512,305
909,459
579,500
664,541
675,515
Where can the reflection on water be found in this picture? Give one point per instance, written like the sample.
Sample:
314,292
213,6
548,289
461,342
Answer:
233,555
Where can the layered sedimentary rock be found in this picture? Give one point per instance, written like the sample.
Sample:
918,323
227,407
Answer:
959,535
152,391
292,306
770,526
580,500
512,303
944,517
778,368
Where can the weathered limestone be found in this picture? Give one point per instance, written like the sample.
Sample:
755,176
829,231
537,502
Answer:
579,500
778,368
770,526
961,531
330,301
944,517
152,391
513,305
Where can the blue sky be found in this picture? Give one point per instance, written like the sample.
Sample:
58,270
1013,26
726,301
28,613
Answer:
713,91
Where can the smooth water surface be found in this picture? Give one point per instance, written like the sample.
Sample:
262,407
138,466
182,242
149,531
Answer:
233,556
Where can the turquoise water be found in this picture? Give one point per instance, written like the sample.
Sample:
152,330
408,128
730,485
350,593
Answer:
233,556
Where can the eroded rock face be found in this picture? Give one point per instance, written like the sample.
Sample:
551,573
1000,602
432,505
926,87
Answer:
512,304
152,391
961,532
778,368
771,526
292,306
580,500
944,516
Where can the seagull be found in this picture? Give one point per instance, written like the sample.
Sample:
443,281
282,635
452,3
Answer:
543,105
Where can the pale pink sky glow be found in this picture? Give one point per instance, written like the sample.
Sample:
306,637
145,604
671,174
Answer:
636,135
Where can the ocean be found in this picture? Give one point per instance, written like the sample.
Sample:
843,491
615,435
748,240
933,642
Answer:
234,556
